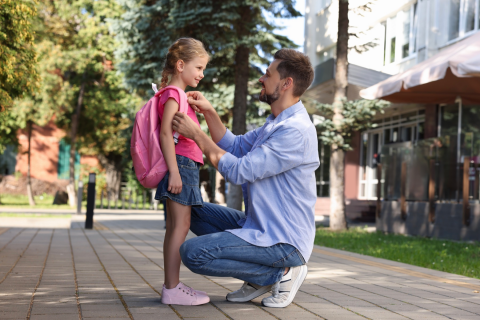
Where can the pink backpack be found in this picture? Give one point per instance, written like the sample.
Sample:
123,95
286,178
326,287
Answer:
148,161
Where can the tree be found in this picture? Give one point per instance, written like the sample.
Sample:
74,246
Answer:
236,33
86,89
347,117
337,158
18,74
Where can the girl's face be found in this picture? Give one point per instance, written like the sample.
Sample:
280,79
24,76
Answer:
192,72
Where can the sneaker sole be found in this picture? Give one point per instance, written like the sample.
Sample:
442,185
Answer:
185,304
296,285
252,296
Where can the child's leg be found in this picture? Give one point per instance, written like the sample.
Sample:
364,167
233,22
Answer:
178,224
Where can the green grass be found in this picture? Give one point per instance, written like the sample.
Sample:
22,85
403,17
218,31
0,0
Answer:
34,215
21,201
455,257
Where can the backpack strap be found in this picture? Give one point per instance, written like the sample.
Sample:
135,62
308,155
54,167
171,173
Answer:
182,107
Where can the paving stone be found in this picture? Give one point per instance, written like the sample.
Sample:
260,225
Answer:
62,316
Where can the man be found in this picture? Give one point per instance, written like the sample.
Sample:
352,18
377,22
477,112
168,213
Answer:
268,245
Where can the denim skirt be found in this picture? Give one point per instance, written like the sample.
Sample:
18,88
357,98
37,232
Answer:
190,194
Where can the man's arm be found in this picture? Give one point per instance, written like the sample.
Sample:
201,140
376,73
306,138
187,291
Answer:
237,145
283,150
189,129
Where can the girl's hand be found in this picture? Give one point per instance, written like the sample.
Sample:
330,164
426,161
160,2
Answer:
198,102
175,183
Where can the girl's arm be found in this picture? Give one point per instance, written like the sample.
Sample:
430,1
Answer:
168,146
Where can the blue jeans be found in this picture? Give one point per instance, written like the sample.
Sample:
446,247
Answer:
216,252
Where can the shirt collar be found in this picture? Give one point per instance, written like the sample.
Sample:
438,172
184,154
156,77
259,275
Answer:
287,113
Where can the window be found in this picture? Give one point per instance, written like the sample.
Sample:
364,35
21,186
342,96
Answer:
8,160
322,174
400,35
384,26
392,49
407,127
409,30
463,17
64,161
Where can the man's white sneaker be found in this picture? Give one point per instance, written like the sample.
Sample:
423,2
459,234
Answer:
247,292
285,290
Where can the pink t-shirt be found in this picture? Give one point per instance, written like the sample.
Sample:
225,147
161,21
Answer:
185,147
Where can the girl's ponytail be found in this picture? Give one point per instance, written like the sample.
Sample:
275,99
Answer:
164,80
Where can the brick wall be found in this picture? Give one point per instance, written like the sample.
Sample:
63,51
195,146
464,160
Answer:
44,152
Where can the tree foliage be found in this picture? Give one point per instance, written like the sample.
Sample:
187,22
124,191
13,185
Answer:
17,54
357,115
80,30
18,72
147,28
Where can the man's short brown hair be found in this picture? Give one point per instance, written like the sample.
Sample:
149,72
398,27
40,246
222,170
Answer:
296,65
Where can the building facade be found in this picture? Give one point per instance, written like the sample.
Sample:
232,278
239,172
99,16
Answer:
392,37
50,155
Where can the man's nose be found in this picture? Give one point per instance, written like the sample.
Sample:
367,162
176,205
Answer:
261,79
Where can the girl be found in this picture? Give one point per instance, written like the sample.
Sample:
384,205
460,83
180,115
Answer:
186,59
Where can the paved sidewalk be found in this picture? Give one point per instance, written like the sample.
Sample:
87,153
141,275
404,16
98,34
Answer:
116,272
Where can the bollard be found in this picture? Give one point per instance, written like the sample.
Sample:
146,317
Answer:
90,201
79,197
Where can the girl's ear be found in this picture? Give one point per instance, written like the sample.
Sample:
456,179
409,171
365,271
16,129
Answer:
180,65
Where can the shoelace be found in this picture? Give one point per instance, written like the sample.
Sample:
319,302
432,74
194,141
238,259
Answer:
189,291
276,289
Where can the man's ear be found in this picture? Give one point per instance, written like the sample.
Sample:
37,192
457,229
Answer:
288,83
180,65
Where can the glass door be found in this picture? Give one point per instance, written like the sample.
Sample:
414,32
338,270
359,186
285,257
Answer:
370,157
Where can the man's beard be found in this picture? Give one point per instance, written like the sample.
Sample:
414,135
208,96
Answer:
270,98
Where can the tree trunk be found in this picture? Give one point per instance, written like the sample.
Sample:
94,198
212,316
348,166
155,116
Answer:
239,121
31,200
73,135
337,160
113,165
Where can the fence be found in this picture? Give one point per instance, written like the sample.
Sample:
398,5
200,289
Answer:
433,170
128,199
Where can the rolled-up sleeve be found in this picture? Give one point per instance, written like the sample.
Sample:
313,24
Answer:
238,145
283,150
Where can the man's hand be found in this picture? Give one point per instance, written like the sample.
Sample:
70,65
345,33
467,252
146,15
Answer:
185,126
198,102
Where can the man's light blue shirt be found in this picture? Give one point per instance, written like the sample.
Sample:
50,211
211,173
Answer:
275,164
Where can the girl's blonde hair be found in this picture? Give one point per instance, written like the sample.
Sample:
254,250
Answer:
185,49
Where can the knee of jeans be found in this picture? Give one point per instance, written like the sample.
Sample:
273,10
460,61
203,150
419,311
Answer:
192,256
187,253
